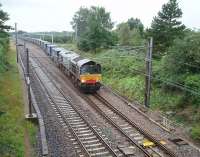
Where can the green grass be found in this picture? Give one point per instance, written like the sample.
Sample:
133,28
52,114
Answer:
119,73
12,122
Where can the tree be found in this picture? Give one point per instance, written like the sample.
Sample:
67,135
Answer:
130,32
182,64
166,27
124,33
3,18
4,41
136,24
93,28
80,21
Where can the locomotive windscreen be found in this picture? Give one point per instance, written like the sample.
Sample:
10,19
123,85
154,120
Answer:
91,69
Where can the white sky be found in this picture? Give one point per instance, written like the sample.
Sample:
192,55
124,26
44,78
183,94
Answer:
56,15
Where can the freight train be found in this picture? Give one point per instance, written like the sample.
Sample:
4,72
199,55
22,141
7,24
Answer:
84,73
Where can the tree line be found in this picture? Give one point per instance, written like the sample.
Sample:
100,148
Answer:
94,29
4,41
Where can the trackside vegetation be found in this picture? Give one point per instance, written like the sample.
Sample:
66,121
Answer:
176,60
12,122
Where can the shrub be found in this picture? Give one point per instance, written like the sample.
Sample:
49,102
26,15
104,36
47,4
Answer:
4,43
195,132
193,96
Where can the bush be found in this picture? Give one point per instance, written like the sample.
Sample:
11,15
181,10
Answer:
193,81
195,132
184,56
83,45
4,46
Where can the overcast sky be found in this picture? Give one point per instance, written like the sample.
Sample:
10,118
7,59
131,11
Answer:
55,15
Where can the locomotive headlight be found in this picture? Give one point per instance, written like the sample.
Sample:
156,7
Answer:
83,81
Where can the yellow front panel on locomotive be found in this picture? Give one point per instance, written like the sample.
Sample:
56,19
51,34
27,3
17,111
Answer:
90,77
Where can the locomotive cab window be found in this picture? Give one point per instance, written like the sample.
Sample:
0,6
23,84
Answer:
91,69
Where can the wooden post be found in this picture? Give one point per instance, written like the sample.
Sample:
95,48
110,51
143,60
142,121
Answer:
148,73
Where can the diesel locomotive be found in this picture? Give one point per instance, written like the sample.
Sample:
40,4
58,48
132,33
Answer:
84,73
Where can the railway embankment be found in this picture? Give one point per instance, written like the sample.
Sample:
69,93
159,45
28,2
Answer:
16,134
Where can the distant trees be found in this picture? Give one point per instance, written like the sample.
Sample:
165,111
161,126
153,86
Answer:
93,28
135,23
131,32
124,33
166,27
80,21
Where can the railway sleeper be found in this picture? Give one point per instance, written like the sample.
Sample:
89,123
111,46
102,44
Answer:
76,123
93,145
97,149
91,141
100,154
84,135
88,138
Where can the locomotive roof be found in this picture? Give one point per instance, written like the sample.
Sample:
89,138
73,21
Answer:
83,61
59,49
51,45
68,54
48,43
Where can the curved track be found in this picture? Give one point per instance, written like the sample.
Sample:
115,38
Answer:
129,142
59,102
87,140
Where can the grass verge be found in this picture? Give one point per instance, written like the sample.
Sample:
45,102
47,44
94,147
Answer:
12,122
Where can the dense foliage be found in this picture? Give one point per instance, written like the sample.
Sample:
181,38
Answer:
135,23
184,67
93,28
166,27
3,39
130,33
3,18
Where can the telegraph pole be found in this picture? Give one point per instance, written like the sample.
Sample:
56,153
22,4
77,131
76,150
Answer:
16,41
148,73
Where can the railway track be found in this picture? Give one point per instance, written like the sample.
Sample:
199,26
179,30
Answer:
127,143
135,138
85,138
135,133
138,110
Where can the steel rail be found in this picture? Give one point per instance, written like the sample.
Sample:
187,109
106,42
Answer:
126,101
80,114
64,119
118,127
164,148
